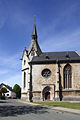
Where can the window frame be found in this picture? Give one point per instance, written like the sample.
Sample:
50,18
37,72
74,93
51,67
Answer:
45,71
67,77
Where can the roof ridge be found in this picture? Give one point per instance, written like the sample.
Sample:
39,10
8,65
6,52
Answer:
58,52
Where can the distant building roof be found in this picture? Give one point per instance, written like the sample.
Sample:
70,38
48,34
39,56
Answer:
7,86
47,57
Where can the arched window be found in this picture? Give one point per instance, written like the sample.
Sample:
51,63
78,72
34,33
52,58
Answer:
67,76
24,79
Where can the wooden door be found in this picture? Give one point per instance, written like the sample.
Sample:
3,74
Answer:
47,96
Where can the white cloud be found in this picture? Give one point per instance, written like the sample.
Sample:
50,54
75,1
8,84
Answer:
10,69
61,42
3,72
12,80
10,61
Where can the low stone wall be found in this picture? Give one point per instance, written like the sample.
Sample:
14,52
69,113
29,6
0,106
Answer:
73,95
36,96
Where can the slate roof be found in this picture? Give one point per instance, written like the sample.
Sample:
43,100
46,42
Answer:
45,57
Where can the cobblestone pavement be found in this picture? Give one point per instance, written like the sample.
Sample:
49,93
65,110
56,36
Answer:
15,110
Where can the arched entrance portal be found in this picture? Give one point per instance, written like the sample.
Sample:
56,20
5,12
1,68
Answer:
46,93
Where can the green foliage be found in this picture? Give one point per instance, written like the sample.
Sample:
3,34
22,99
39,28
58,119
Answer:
17,90
4,90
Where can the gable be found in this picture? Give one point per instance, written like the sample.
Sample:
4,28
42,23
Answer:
25,52
34,47
7,87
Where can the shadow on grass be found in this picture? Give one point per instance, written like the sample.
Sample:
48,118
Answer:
11,110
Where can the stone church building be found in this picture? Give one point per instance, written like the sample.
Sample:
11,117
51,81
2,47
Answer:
49,75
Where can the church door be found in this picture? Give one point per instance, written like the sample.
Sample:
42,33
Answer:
46,93
47,96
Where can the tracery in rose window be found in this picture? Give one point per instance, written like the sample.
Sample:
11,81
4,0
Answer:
46,73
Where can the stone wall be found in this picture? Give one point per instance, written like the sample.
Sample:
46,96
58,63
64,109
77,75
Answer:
38,79
75,75
39,82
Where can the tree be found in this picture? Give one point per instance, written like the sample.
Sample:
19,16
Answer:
17,90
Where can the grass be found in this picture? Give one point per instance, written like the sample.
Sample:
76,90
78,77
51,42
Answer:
61,104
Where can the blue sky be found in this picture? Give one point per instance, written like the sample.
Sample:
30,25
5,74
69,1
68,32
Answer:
58,28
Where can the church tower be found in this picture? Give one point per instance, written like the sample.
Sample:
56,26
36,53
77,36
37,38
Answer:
33,50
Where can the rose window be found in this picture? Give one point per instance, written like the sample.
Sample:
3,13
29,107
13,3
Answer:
46,73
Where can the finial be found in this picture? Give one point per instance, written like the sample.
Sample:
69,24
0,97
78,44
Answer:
34,33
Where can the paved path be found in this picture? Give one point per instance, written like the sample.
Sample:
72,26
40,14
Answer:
15,110
68,110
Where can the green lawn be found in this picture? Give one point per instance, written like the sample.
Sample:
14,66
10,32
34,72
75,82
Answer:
61,104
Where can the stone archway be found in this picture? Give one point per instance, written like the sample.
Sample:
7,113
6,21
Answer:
46,93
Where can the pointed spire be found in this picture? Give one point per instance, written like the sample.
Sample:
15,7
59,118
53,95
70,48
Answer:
34,33
34,30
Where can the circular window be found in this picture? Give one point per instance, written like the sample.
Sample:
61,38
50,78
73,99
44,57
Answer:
46,73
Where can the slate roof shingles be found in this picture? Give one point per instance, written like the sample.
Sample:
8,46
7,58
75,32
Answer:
56,56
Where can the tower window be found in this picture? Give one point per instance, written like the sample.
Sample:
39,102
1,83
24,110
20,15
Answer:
24,79
67,76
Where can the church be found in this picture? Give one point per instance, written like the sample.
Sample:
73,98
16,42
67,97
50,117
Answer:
53,76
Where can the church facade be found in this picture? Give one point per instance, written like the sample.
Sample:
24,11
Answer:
49,75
